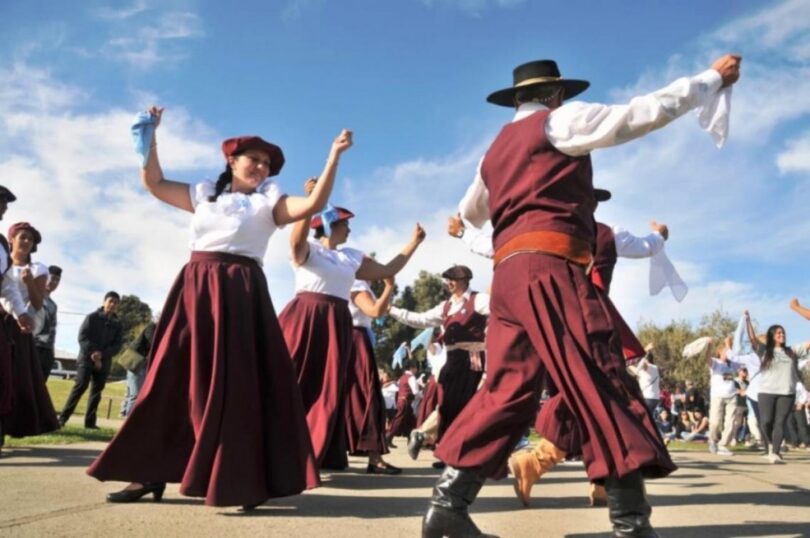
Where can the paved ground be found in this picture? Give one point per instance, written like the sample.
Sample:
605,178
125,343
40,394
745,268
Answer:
44,492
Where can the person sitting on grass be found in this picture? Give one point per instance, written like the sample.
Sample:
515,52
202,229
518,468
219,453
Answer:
698,427
666,425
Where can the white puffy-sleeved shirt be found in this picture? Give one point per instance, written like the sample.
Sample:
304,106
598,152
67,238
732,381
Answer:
235,223
359,318
10,292
14,277
328,271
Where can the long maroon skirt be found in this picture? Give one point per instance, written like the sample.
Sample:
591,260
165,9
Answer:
430,400
318,331
5,370
547,316
31,411
365,407
457,385
219,411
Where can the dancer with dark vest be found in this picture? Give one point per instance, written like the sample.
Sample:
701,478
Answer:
317,323
463,319
365,407
219,410
405,418
611,243
535,186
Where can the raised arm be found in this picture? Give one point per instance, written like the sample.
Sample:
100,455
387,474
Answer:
631,246
172,192
802,311
295,208
299,247
366,303
752,335
371,269
708,356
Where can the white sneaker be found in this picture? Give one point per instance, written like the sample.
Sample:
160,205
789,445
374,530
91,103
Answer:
712,447
723,451
775,458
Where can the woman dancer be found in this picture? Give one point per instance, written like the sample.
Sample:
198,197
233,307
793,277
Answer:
317,323
219,411
365,407
32,411
777,386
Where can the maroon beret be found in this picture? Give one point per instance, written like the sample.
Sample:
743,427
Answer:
20,226
240,144
343,214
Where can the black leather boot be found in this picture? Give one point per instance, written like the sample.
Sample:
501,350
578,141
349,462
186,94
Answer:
628,507
447,515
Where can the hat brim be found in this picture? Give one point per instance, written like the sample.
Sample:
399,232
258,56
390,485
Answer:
343,213
602,195
506,97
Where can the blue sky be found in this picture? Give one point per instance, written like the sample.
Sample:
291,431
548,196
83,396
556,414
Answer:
410,79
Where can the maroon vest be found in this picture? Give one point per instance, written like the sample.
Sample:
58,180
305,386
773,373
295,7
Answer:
405,392
466,325
604,256
533,186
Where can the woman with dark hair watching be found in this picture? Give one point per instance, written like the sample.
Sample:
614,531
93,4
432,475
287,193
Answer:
219,410
317,323
32,411
777,389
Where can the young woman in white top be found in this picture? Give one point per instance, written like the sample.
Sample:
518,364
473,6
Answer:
32,411
365,407
777,387
317,323
219,410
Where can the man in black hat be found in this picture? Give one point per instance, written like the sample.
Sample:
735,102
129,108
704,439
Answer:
45,337
535,185
463,319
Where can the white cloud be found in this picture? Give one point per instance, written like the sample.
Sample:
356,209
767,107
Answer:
113,14
155,44
796,158
473,7
780,27
294,9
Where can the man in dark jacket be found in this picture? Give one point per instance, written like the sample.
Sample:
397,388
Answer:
99,340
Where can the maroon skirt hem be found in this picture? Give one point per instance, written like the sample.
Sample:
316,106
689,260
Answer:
365,408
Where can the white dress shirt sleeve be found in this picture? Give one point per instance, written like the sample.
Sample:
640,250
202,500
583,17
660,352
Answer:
482,303
577,128
478,241
419,320
632,246
474,206
412,382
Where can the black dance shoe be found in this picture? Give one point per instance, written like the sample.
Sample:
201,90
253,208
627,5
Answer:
382,468
132,495
415,442
438,465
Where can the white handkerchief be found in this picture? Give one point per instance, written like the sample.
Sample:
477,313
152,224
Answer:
713,116
697,347
663,273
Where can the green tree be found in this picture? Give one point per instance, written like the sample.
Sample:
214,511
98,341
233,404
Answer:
133,314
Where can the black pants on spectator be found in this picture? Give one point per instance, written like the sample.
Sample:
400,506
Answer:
46,358
96,379
773,412
798,431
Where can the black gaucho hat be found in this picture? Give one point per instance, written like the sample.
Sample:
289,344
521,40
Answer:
602,195
6,194
534,74
458,272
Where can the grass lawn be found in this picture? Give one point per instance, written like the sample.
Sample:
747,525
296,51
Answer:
111,400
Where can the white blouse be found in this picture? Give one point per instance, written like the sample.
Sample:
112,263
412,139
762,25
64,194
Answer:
10,291
328,271
236,223
14,278
359,318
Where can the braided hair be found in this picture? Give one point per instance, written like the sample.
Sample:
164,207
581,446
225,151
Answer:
225,179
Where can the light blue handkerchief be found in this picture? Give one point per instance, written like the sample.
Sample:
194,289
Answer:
143,131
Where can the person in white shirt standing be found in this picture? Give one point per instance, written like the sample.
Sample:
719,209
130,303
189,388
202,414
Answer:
649,379
722,398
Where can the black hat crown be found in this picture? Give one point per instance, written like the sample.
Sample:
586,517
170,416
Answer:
537,71
534,74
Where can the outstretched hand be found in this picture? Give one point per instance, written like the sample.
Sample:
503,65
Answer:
455,226
418,234
157,112
660,228
729,68
794,304
342,142
309,185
